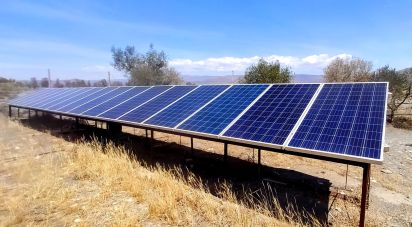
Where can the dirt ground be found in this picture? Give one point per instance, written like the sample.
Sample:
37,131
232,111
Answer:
315,186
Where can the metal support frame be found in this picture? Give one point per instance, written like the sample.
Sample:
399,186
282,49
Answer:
259,161
366,166
365,193
151,140
36,113
29,115
95,124
225,152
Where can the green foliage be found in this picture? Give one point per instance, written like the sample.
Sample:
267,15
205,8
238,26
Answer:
267,72
44,82
399,85
58,84
75,83
150,68
100,83
33,83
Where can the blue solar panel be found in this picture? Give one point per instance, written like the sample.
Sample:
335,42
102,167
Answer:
218,114
72,98
101,108
60,98
84,99
51,96
134,102
39,95
98,100
273,116
155,105
173,115
345,119
28,96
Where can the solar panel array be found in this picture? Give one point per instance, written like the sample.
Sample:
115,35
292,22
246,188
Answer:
342,120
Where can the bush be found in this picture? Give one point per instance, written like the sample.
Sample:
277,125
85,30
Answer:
402,122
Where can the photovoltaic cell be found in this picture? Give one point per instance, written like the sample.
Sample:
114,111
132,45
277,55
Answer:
40,95
61,98
345,119
57,105
29,95
101,108
134,102
158,103
272,117
173,115
51,96
218,114
99,100
84,99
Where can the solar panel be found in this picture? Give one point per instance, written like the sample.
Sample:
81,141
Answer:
29,95
60,98
76,96
51,96
98,100
134,102
40,95
186,106
103,107
148,109
273,116
345,119
217,115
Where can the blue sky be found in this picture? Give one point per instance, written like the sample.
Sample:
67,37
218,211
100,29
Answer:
73,38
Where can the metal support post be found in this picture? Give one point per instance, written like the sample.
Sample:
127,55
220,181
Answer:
365,193
259,161
77,123
18,112
37,114
29,113
61,123
191,146
225,152
10,111
151,140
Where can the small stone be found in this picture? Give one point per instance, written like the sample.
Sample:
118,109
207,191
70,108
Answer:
338,209
373,180
387,171
77,220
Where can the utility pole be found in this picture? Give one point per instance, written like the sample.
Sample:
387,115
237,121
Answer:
233,72
108,83
48,75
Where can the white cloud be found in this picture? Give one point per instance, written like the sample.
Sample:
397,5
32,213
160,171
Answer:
312,64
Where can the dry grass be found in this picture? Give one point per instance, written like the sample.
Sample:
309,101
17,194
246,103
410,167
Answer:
85,184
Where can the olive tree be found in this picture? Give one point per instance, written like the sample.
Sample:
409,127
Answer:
400,86
348,70
150,68
267,72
